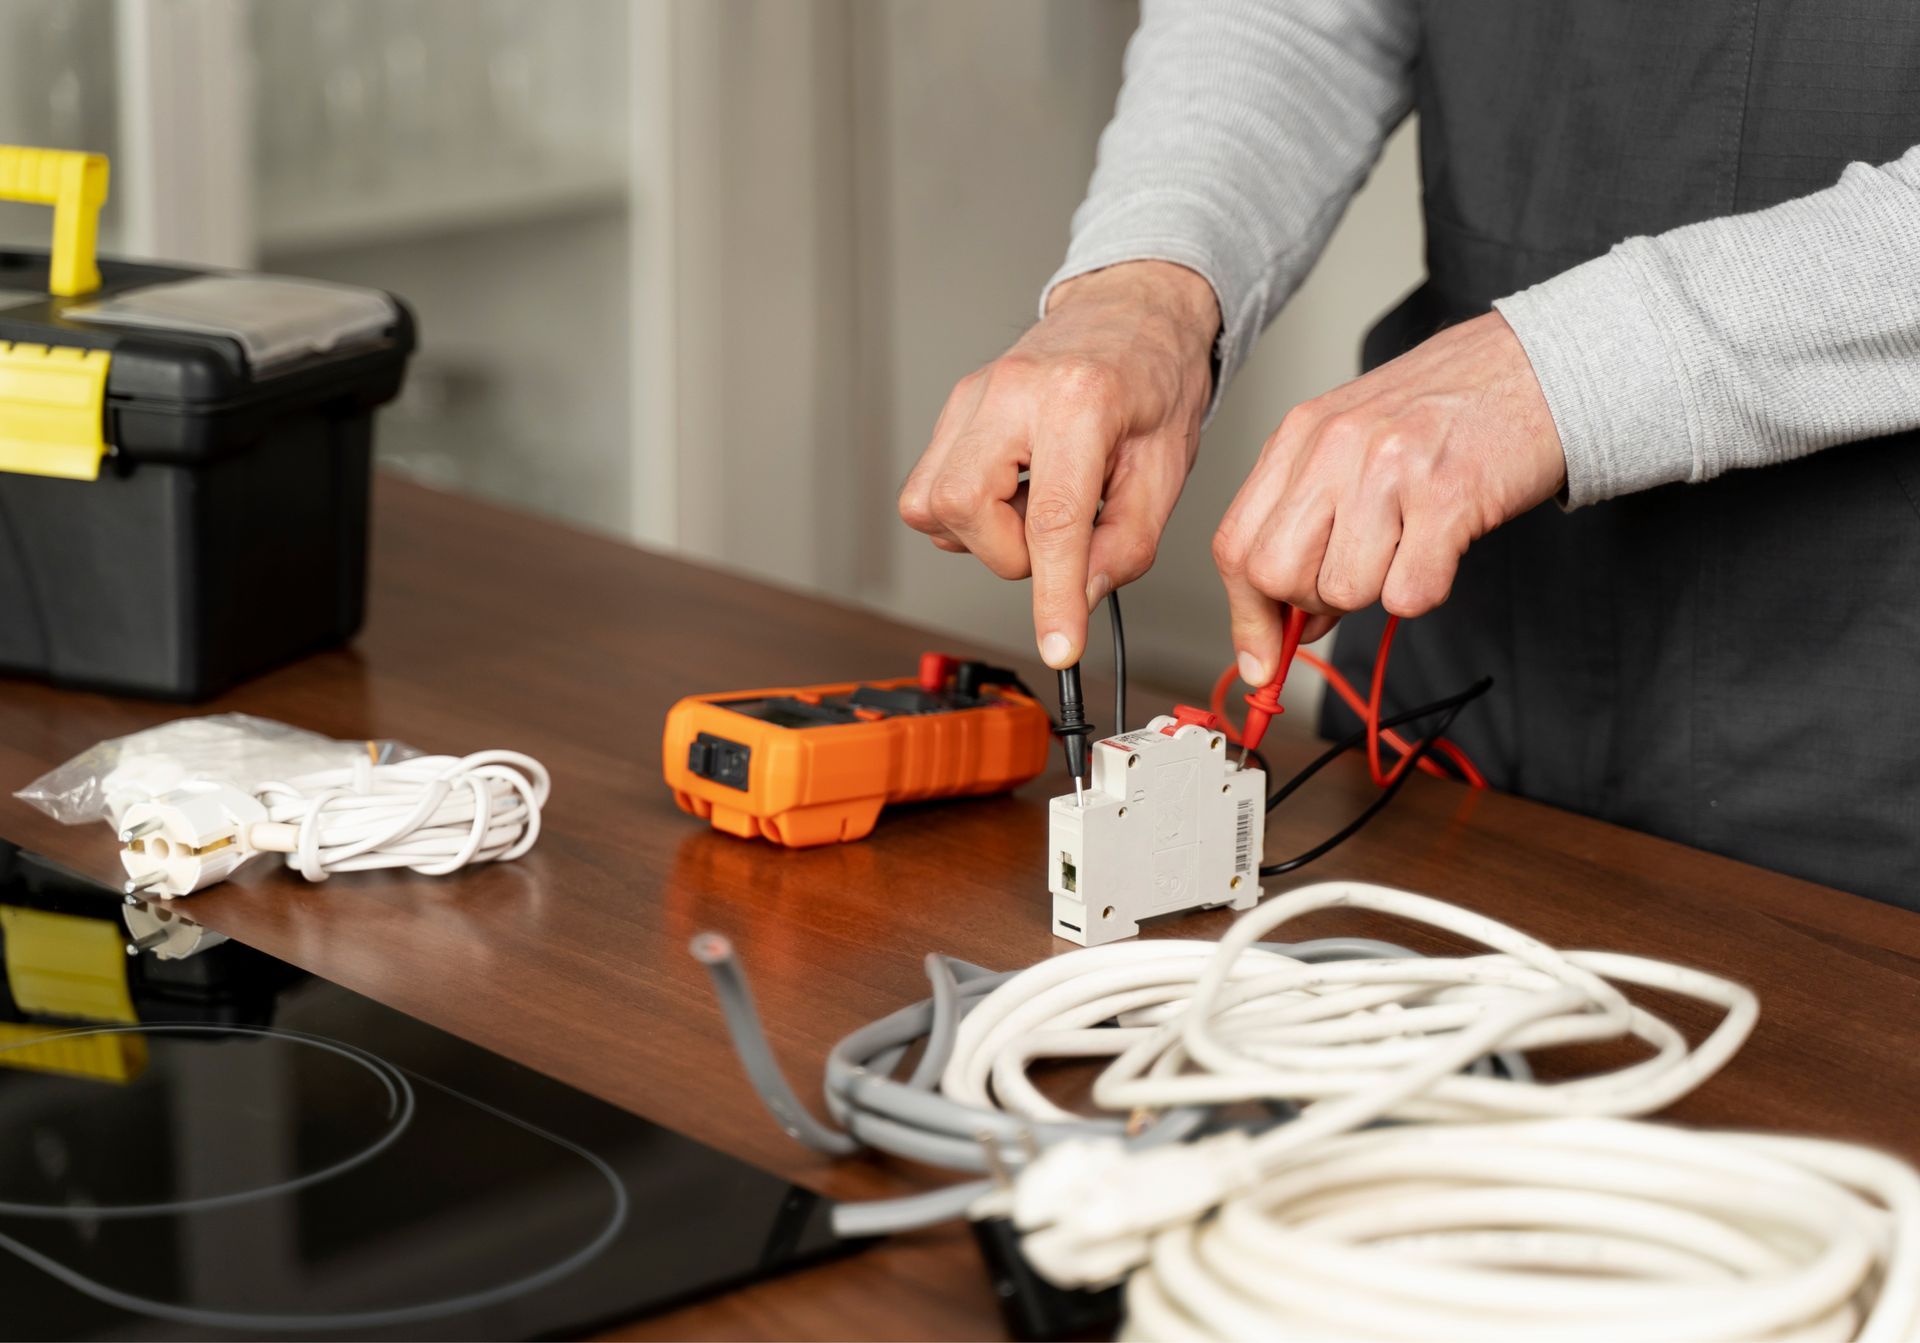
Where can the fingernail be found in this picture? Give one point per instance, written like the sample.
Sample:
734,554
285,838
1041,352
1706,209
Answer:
1053,650
1097,589
1251,671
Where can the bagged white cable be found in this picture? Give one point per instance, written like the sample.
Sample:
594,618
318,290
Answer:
432,814
194,799
104,780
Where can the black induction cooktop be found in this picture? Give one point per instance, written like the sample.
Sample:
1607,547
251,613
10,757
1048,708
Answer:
225,1146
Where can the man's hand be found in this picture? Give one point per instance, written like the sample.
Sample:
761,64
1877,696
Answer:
1102,399
1373,491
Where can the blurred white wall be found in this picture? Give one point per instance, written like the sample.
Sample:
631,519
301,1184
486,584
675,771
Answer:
867,197
58,90
517,392
1373,259
979,218
873,207
470,155
699,272
981,123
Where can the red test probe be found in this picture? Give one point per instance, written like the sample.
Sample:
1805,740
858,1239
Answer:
1263,705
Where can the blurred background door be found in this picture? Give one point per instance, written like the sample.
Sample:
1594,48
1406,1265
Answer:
694,272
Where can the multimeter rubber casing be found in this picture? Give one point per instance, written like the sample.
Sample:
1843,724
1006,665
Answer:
815,764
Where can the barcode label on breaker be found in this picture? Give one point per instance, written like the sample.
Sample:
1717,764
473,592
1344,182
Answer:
1243,838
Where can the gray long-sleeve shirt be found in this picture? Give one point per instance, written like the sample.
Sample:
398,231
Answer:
1245,126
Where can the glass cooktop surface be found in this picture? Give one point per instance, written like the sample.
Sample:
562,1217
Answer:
226,1146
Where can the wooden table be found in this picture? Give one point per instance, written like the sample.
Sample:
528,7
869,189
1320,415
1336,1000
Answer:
493,629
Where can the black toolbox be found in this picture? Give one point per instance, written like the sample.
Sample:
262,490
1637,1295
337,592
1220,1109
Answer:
184,456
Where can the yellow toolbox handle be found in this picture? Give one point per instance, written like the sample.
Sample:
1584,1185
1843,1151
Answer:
74,183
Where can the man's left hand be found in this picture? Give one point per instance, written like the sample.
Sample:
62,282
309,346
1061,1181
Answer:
1373,491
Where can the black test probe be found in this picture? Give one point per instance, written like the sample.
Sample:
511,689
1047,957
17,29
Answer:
1074,729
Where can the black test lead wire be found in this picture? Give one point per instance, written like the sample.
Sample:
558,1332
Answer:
1449,707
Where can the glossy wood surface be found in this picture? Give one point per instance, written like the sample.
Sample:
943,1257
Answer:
488,628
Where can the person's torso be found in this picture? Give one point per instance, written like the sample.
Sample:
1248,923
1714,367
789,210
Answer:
1734,664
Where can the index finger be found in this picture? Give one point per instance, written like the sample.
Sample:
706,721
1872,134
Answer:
1063,495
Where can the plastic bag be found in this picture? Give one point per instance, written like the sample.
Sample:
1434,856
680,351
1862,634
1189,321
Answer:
232,748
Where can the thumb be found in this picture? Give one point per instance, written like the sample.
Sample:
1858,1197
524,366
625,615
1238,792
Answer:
1258,630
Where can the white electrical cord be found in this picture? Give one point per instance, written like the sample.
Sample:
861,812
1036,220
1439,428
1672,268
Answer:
1102,1002
1527,1212
1518,1210
1360,1041
1388,1039
431,814
1582,1231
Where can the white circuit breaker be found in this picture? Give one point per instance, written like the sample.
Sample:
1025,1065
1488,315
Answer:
1169,824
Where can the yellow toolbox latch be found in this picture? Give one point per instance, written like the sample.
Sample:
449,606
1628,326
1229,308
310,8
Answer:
53,410
67,968
64,965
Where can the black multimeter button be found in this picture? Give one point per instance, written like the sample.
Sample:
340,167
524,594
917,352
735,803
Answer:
901,700
723,761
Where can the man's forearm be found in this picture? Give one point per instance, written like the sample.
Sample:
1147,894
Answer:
1242,131
1738,342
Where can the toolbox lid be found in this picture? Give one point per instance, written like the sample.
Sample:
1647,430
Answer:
167,364
275,319
104,358
199,339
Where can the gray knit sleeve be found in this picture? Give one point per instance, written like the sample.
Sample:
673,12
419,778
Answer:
1741,341
1243,129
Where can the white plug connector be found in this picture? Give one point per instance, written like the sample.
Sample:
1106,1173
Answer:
157,928
188,839
1170,824
1090,1207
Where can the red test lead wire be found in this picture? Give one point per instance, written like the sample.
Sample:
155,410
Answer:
1375,734
1373,710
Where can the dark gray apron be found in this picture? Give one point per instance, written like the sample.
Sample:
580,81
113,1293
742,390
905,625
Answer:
1735,665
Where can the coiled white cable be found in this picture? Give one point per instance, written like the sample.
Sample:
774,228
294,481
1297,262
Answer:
1099,1002
432,814
1359,1041
1385,1036
1523,1214
1582,1231
1390,1038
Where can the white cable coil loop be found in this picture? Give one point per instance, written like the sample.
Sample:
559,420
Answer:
432,814
1532,1210
1058,1009
1393,1038
1364,1039
1583,1231
1359,1042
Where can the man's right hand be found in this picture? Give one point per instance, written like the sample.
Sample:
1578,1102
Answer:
1101,400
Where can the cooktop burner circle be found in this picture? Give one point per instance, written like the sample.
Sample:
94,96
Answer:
391,1081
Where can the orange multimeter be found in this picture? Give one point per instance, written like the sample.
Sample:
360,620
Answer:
815,764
